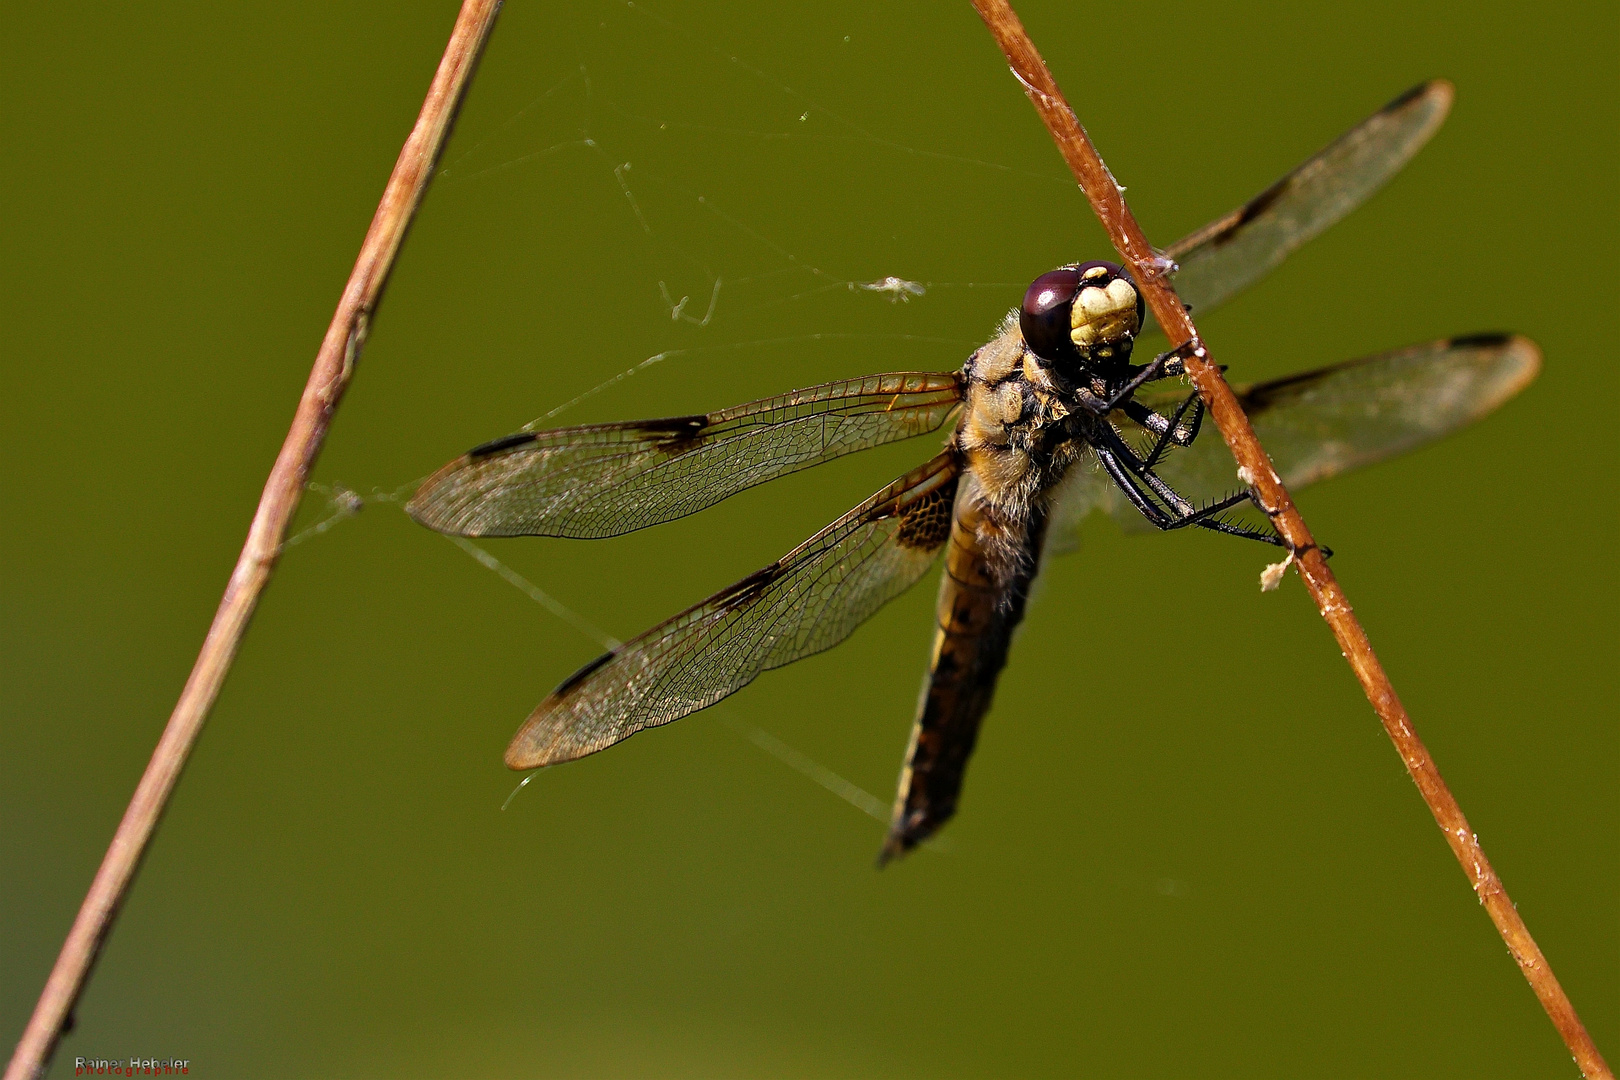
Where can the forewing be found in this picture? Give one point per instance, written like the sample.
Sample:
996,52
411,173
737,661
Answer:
807,601
608,479
1322,423
1232,252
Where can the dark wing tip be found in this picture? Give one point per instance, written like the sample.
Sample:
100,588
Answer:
521,756
526,751
1522,349
517,759
1488,340
1525,354
422,509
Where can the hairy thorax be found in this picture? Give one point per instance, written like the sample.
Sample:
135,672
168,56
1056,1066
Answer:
1018,437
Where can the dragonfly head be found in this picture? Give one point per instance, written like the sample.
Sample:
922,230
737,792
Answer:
1082,316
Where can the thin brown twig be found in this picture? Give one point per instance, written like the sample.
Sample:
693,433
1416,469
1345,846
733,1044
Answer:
334,367
1108,201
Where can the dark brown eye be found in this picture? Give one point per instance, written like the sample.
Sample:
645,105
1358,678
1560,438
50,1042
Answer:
1053,331
1044,316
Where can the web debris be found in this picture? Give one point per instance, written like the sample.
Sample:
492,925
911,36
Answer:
341,504
631,179
669,354
899,290
677,311
346,503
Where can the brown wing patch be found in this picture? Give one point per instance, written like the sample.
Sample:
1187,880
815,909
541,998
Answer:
744,592
1249,211
578,677
1318,424
926,522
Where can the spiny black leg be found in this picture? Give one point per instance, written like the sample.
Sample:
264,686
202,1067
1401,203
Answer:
1169,431
1201,518
1128,460
1171,434
1125,470
1164,366
1229,529
1155,514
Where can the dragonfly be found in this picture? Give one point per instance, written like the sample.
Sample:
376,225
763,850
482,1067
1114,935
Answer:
1050,422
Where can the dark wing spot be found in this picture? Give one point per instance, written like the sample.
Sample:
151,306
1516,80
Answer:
1420,90
675,435
1259,397
743,592
505,442
579,676
1480,341
1262,396
1253,209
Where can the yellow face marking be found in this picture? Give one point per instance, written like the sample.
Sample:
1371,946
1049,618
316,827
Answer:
1103,314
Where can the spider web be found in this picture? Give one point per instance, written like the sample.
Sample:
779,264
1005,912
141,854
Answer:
737,272
719,173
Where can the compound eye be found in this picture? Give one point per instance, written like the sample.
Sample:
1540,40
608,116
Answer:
1044,317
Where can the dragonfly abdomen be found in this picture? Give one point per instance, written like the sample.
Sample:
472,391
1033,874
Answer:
989,566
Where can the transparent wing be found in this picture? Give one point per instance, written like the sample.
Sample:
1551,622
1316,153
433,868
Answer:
1322,423
1230,253
608,479
807,601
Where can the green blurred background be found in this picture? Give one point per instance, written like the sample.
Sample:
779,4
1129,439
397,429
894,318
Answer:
1186,847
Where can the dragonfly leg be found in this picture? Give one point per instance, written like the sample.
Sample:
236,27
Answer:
1170,431
1164,366
1126,470
1167,365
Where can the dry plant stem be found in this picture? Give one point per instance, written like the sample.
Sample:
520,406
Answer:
334,366
1108,201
